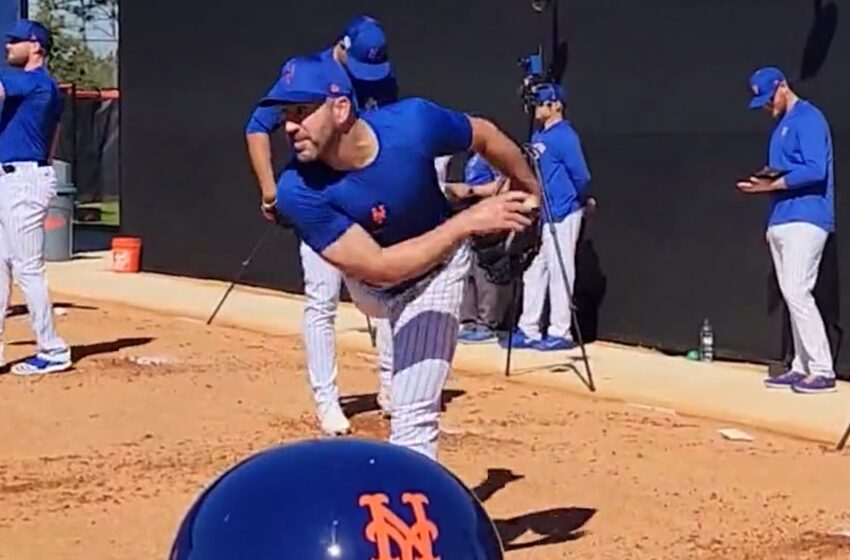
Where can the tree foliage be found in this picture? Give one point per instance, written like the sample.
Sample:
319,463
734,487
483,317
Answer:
72,23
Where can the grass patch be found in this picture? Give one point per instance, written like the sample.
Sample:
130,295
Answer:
109,213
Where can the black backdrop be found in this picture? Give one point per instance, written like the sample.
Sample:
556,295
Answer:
658,91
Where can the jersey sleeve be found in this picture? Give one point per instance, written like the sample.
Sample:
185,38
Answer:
445,131
17,84
315,220
264,119
812,134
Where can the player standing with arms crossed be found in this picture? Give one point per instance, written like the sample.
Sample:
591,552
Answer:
802,216
32,106
362,49
362,192
565,177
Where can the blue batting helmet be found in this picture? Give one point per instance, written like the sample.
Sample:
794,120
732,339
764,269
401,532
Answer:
337,499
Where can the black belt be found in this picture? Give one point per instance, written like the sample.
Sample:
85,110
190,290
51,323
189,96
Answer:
10,168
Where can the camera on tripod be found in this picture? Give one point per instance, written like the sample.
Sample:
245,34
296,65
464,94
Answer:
532,67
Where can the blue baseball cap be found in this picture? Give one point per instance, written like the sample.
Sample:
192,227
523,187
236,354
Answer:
366,46
550,92
28,30
309,79
763,84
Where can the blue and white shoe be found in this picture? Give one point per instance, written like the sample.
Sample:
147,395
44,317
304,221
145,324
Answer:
475,335
784,381
551,343
814,385
518,341
43,363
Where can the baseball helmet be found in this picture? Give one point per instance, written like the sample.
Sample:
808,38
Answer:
337,499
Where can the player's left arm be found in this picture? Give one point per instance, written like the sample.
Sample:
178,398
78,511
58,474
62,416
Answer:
503,154
813,140
449,132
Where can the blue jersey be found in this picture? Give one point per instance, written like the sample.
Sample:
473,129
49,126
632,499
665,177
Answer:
369,96
394,198
31,113
478,171
802,145
563,168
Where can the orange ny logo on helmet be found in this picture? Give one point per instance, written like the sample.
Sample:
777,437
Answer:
412,542
379,214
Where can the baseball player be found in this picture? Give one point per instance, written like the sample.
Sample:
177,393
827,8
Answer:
32,106
362,48
802,215
362,192
565,177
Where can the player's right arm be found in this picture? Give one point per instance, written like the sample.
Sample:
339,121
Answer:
263,121
357,254
351,249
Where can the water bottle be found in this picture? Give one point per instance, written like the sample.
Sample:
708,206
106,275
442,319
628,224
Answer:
706,342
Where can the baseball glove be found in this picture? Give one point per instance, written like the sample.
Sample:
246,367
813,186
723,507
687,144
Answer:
506,256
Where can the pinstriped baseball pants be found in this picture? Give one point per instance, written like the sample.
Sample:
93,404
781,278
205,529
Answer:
24,196
796,249
425,321
322,283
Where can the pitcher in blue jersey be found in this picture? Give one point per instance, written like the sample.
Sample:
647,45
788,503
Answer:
362,192
362,49
565,178
32,107
801,217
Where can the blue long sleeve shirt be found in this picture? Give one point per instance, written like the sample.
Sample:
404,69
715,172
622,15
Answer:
801,144
563,168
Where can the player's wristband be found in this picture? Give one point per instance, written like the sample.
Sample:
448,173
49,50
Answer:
268,205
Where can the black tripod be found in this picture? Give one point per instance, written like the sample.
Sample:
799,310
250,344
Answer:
534,157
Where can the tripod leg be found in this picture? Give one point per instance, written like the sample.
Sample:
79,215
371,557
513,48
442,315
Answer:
843,441
512,324
241,271
560,258
371,330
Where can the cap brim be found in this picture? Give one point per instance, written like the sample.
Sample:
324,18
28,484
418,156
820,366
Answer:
760,101
290,97
19,36
367,72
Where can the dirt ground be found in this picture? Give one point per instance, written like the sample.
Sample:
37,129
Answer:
102,462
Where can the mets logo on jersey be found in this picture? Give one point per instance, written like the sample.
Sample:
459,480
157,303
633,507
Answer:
385,528
540,148
379,215
371,103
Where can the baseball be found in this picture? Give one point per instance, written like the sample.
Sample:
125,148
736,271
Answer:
531,203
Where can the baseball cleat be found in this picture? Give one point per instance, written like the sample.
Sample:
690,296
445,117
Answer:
334,423
555,343
518,341
815,384
43,363
784,381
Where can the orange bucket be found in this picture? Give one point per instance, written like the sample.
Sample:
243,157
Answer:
125,254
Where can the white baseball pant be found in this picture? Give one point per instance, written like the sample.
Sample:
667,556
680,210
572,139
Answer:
796,249
322,284
545,273
425,321
24,196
